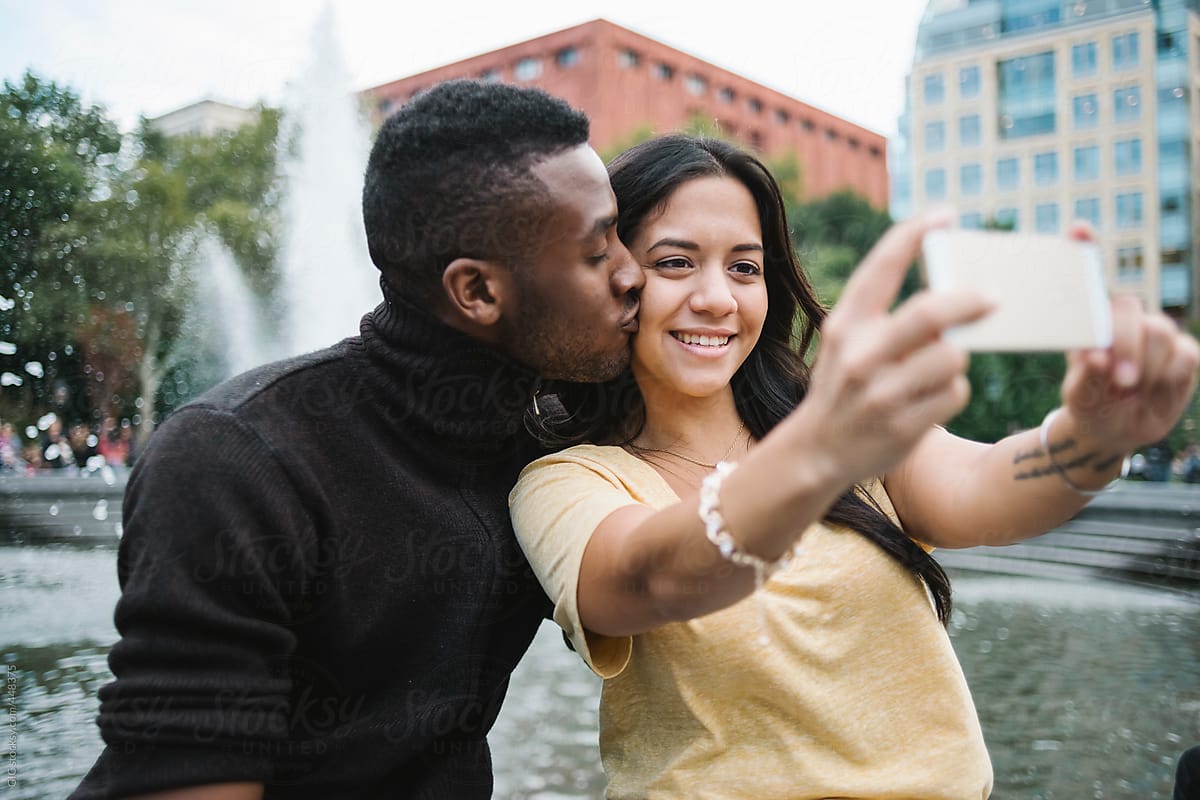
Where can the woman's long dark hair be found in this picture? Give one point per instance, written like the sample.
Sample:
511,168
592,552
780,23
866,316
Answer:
774,378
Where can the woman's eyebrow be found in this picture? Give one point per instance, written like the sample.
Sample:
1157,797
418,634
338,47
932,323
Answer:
683,244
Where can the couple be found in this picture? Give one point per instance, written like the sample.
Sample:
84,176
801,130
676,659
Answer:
322,593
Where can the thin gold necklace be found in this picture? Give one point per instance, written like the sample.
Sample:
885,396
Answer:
736,438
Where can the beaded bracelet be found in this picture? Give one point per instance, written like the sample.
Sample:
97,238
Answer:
1044,435
718,532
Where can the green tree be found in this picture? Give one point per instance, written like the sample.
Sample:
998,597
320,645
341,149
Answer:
55,155
145,274
833,234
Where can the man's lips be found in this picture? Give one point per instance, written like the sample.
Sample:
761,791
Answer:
629,323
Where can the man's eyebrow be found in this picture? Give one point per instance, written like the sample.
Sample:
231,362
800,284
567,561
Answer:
602,226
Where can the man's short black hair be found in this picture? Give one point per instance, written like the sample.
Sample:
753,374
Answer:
450,177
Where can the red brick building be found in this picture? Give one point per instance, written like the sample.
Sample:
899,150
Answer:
625,81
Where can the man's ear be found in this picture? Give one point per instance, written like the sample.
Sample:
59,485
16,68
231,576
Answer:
476,290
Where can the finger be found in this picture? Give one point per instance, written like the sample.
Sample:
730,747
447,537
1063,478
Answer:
928,371
1126,346
875,282
1158,338
936,407
1088,377
1081,231
1181,370
925,315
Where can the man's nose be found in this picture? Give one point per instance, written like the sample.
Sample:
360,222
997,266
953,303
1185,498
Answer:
627,274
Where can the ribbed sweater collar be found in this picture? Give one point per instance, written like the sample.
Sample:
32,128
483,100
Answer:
443,385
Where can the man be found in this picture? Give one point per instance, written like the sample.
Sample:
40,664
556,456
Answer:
321,593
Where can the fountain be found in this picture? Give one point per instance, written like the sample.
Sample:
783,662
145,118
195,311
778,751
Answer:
328,278
327,282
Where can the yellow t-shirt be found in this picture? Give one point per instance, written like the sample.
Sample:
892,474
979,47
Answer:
856,694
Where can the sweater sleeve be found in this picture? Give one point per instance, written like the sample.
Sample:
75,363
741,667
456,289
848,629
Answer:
213,552
556,506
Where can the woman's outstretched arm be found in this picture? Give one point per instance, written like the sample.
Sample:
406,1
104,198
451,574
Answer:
951,492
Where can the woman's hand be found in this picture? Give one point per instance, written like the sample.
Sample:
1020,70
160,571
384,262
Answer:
1134,392
883,378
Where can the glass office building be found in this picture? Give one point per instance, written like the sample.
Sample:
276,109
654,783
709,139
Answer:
1045,111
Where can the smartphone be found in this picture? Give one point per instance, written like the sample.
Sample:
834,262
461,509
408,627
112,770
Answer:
1049,290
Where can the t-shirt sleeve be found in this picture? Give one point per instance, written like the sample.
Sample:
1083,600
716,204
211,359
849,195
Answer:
214,541
556,506
879,496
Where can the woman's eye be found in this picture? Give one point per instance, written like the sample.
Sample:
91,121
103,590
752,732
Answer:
746,268
598,259
672,263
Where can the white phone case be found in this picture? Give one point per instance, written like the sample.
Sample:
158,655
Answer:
1049,289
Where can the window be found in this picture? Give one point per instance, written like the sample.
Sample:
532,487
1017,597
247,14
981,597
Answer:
490,75
1129,210
725,94
970,178
1084,112
1125,51
968,83
969,130
1026,102
972,221
628,59
1087,163
1088,209
1083,59
875,151
1006,219
935,184
808,125
935,90
782,117
1026,14
755,105
853,143
527,69
1127,104
1129,264
831,134
696,85
1046,217
664,72
1045,168
935,137
1008,173
567,57
1127,156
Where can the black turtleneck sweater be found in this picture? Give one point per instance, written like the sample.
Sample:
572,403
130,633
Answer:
321,590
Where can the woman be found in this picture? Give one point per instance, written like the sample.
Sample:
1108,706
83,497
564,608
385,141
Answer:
837,678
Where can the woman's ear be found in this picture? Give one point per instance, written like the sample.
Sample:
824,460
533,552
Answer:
476,290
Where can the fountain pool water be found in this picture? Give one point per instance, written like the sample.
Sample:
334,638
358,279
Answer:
1084,690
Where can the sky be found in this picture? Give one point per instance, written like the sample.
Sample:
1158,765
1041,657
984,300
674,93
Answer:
148,57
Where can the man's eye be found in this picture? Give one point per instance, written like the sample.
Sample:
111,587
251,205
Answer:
598,259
